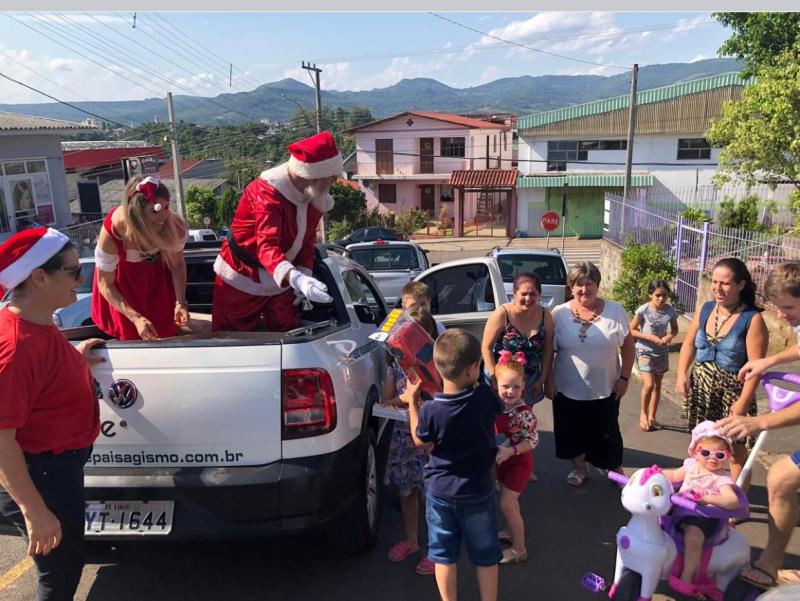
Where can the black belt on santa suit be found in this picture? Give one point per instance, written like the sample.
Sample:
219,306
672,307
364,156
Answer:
242,255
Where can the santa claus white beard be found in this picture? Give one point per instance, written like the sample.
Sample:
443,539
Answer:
320,196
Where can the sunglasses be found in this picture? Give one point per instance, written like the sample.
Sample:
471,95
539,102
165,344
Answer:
74,271
718,455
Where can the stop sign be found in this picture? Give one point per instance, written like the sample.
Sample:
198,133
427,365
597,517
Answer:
550,221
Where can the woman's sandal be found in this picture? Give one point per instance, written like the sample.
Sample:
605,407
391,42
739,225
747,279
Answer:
771,581
511,556
425,567
401,551
575,478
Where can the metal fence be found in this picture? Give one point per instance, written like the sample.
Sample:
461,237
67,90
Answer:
696,247
84,236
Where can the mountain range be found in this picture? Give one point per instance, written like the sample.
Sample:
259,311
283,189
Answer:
517,95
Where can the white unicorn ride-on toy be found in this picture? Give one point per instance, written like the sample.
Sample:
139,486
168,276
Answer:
650,547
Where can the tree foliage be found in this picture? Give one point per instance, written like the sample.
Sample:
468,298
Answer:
741,215
227,207
759,38
641,264
760,133
349,203
200,203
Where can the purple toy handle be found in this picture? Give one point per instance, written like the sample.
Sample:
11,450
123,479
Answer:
780,398
618,478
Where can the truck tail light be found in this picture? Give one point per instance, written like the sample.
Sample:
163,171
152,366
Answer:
308,403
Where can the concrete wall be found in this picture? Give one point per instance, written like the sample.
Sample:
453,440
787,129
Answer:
610,266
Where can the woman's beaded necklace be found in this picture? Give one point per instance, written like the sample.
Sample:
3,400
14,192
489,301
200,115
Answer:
718,326
584,323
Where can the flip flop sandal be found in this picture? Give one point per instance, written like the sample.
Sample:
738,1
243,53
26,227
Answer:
425,567
575,478
513,557
401,551
772,582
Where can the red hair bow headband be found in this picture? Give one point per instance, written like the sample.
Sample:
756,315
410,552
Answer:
147,188
507,356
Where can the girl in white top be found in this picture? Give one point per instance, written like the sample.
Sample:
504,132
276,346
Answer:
588,377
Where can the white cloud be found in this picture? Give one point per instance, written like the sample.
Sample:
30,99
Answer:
699,57
490,73
63,64
684,26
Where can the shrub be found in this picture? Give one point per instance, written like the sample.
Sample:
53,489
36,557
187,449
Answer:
741,215
696,215
410,221
338,229
641,264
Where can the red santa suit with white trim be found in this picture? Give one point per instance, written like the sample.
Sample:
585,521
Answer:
266,262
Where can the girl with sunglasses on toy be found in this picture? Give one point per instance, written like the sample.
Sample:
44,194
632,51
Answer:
705,478
139,287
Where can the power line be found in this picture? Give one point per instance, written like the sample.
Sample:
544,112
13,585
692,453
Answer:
24,66
139,83
501,45
569,58
62,101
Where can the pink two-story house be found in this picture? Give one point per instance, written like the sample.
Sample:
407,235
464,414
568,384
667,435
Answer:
419,159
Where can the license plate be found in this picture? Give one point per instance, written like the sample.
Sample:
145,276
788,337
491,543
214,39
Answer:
128,518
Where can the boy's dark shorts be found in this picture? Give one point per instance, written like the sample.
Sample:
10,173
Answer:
474,520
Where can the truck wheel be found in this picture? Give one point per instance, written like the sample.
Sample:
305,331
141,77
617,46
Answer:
356,530
629,587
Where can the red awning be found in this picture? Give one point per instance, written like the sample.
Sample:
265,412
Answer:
484,178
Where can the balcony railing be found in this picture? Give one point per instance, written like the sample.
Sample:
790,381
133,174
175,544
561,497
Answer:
414,166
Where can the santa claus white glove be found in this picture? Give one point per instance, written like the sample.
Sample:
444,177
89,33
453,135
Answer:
314,290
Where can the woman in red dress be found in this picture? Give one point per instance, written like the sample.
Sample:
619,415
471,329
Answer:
140,275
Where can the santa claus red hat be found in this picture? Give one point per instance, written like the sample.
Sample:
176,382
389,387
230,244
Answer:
27,250
315,157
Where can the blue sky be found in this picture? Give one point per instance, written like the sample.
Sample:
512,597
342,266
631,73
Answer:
187,52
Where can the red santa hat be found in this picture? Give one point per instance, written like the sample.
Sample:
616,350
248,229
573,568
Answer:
315,157
27,250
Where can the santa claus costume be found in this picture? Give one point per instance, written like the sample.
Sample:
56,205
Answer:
270,248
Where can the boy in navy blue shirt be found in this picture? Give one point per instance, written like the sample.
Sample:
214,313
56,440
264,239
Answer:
458,483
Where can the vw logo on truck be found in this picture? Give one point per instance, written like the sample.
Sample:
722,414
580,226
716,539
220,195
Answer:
123,393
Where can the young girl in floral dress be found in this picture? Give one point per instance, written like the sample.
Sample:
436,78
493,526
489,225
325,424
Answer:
405,461
517,437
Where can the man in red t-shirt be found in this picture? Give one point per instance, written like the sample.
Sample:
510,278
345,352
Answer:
49,416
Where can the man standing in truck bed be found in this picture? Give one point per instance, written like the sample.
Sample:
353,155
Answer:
269,251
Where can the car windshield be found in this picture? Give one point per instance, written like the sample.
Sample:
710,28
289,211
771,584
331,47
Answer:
549,269
388,258
87,271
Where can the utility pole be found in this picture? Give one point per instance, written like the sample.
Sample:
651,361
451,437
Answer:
309,67
176,157
629,152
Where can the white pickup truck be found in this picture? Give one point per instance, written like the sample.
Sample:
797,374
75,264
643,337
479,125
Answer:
230,434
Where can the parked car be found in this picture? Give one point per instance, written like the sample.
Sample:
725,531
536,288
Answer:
370,234
549,265
391,264
203,235
240,434
465,292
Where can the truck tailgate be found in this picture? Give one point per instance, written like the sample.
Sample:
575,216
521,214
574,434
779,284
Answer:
192,406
